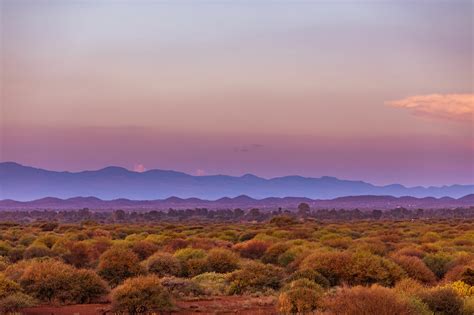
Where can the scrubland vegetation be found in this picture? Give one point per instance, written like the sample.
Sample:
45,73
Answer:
415,266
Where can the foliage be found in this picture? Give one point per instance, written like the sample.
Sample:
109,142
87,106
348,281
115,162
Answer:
182,287
300,296
141,294
252,249
443,301
255,276
117,264
213,283
368,300
221,260
163,264
52,280
15,302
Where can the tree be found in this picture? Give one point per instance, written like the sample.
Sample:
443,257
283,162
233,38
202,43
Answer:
303,209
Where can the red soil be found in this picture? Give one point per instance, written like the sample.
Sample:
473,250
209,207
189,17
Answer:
216,305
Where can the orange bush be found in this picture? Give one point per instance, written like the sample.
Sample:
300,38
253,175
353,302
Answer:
363,300
117,264
221,260
252,249
415,268
163,264
141,295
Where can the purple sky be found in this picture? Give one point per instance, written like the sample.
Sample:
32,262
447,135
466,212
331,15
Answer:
378,91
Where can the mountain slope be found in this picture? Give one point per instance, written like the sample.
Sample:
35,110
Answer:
244,202
20,182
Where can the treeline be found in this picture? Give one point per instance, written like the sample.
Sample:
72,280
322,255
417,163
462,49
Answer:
231,215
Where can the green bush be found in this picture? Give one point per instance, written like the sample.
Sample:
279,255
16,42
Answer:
221,260
443,301
117,264
213,283
163,264
182,287
7,286
54,281
192,261
438,263
311,275
300,297
255,277
142,294
15,302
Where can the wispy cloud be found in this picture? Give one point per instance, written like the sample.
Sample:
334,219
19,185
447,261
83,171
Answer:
140,168
459,107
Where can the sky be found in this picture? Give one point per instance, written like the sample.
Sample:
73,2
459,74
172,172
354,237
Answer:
380,91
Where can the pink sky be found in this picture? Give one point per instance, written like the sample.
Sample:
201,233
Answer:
381,92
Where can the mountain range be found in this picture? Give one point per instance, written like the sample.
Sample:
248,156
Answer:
23,183
244,202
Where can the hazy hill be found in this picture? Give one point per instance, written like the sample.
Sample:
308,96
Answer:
20,182
244,202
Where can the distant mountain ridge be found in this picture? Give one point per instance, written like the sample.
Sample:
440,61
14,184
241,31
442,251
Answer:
23,183
244,202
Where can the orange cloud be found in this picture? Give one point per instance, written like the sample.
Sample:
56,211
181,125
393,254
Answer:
459,107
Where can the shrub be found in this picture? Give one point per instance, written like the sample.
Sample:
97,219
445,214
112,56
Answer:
411,251
77,254
4,248
353,268
409,287
415,268
141,295
300,296
7,286
255,277
468,306
311,275
144,249
221,260
15,302
462,289
253,249
468,276
192,261
86,285
182,287
334,266
273,252
163,264
364,300
430,237
213,283
38,251
370,269
247,236
283,220
442,301
437,263
117,264
52,280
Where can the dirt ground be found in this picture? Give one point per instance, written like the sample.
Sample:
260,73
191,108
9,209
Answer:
216,305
